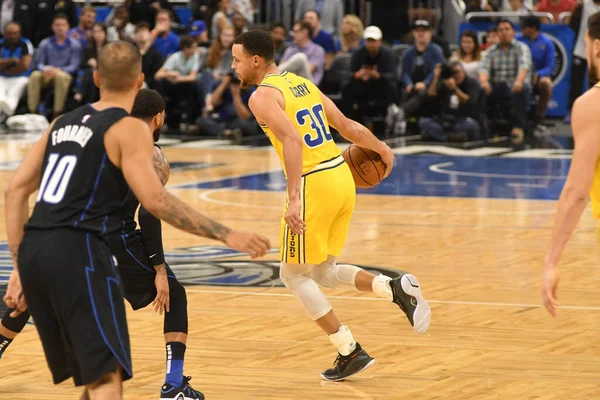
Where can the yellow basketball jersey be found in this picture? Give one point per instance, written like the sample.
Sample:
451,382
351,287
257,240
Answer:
304,108
595,191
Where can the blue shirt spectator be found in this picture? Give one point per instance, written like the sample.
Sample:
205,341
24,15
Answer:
320,36
166,42
542,48
15,67
419,64
65,55
22,48
83,31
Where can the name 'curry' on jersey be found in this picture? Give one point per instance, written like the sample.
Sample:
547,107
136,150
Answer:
304,108
80,187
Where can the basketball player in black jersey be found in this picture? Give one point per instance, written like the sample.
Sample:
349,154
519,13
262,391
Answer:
83,168
146,279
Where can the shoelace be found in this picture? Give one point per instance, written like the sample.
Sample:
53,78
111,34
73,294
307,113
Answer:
188,387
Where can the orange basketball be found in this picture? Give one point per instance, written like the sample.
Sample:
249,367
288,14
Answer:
366,166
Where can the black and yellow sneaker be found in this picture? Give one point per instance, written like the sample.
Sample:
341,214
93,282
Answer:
407,294
345,366
183,392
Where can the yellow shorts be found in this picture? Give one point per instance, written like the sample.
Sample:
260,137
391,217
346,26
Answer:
328,196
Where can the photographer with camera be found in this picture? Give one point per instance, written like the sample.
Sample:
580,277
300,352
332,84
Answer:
232,118
176,82
458,96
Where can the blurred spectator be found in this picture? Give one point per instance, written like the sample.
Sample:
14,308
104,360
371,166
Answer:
330,12
16,53
147,10
152,60
418,62
304,57
244,7
279,34
220,19
83,31
319,36
458,96
88,92
239,23
373,83
199,33
507,4
555,7
579,22
469,54
442,42
505,76
234,117
391,17
479,6
351,38
56,63
515,6
165,40
199,9
491,38
176,80
45,10
121,28
21,11
216,66
543,56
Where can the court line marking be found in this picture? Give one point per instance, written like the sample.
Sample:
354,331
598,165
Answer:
527,185
466,303
206,196
438,168
448,183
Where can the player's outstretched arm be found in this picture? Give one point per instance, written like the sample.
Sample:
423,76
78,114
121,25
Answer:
575,194
16,211
132,152
267,105
357,133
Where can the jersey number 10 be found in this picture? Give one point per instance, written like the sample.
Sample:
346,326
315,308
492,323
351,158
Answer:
321,130
56,178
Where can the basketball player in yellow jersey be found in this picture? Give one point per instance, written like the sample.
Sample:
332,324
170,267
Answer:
321,195
583,181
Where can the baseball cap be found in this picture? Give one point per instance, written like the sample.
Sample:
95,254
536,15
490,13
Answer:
372,32
197,28
421,23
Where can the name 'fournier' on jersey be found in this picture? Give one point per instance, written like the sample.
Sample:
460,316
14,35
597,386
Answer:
72,133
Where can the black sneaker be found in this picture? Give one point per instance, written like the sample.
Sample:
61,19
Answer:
183,392
407,295
345,366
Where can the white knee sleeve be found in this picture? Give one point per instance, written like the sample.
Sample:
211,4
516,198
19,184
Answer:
296,277
331,275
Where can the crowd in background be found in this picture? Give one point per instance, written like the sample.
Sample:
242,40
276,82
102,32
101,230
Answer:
49,54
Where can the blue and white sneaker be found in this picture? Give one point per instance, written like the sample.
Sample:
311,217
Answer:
183,392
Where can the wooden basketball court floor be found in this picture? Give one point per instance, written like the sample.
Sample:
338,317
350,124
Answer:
473,229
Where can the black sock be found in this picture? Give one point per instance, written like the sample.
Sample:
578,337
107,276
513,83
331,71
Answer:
4,342
175,354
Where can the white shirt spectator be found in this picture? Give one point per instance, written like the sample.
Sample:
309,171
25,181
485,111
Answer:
113,35
245,8
177,62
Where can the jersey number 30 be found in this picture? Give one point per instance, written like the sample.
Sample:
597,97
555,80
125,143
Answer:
321,131
56,178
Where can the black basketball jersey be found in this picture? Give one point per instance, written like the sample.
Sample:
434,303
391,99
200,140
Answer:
130,206
80,187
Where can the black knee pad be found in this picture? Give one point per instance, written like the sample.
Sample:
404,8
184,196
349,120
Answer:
15,324
176,320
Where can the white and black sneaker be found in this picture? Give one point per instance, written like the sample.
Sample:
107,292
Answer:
183,392
407,294
345,366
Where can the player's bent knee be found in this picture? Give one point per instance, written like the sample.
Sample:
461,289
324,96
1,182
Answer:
325,274
176,320
292,275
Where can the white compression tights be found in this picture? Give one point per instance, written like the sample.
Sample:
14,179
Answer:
302,280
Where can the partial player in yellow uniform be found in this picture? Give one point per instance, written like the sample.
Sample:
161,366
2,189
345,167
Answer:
320,197
583,181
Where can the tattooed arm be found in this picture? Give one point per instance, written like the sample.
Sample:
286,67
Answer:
133,154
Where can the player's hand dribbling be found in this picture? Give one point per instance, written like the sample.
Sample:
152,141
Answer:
387,156
550,288
14,297
251,243
292,217
161,281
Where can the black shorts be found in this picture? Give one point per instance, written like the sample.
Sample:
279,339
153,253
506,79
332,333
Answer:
136,269
75,297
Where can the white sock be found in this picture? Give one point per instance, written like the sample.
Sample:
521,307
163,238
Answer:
381,287
343,341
